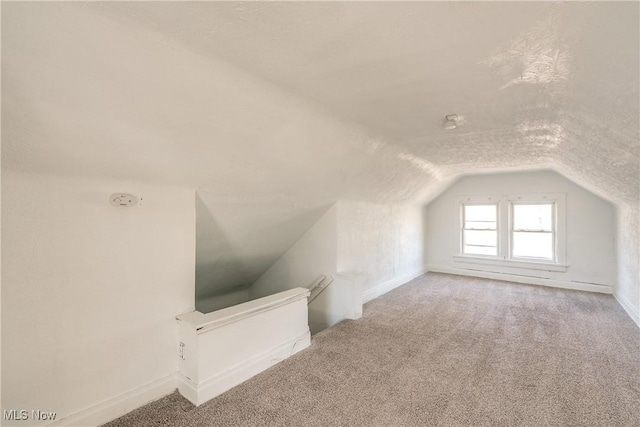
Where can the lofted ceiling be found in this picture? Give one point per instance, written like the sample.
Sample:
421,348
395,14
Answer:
285,107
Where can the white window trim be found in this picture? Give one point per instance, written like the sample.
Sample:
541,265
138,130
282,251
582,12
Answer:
505,212
462,224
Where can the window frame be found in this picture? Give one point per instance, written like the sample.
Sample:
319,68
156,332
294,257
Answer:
463,228
504,225
513,230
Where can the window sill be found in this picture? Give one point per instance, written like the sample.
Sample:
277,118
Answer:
530,265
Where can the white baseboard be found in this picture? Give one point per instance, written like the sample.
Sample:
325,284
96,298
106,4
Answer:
215,386
124,403
564,284
120,405
389,285
631,311
187,388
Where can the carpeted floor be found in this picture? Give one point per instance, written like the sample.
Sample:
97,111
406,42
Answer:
444,350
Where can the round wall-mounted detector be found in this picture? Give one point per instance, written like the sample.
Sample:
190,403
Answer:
123,199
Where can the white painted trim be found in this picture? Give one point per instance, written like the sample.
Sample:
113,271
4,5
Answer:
389,285
504,204
216,319
215,386
187,388
530,280
631,311
120,405
530,265
126,402
355,282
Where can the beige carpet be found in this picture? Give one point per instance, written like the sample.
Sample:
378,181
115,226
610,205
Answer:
444,350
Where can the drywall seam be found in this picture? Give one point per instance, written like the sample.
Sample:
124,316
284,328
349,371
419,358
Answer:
120,405
529,280
626,305
389,285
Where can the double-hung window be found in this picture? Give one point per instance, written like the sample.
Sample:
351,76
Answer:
533,231
521,231
480,229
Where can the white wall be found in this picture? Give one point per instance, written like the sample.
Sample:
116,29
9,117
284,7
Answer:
149,107
90,291
384,242
628,248
378,246
311,256
590,226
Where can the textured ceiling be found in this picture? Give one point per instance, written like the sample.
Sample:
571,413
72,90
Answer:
531,80
286,107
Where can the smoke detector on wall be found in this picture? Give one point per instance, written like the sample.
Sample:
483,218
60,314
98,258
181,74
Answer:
450,121
123,199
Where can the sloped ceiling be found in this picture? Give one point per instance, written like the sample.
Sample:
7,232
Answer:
286,107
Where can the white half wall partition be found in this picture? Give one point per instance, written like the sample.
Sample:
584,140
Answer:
222,349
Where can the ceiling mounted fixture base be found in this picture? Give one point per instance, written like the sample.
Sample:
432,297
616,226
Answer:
450,121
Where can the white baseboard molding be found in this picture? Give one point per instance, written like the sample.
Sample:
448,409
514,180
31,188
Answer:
207,390
564,284
631,311
115,407
389,285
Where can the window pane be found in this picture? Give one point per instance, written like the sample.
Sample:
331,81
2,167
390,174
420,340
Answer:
532,217
480,242
480,250
480,237
534,245
480,216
